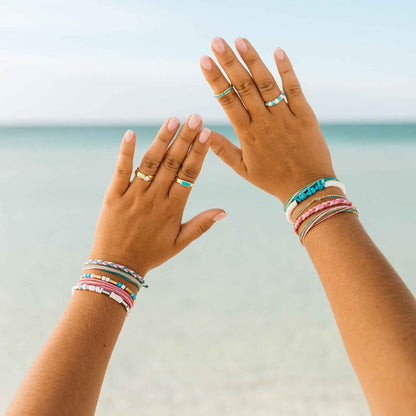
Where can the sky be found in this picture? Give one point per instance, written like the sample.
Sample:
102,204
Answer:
107,61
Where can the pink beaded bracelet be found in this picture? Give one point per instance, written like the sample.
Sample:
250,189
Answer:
318,208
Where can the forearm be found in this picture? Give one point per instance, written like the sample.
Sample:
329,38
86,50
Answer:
374,310
67,375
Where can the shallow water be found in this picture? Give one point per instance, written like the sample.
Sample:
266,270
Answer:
238,323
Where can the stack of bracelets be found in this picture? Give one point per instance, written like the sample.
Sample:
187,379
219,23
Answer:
305,219
116,290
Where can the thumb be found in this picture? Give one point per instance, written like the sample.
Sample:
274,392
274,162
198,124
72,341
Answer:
198,225
229,153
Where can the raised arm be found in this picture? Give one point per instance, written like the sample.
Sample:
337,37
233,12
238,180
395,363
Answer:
282,150
140,227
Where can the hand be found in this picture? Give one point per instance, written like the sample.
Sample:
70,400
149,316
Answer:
282,147
140,222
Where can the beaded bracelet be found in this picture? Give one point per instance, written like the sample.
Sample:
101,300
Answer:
324,216
320,198
308,191
117,266
118,273
98,289
318,208
108,280
108,286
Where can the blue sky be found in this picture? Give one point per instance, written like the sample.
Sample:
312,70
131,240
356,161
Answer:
134,61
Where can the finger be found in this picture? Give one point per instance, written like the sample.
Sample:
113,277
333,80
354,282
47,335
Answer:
263,78
295,98
157,150
239,76
230,102
124,165
228,153
197,226
176,153
191,167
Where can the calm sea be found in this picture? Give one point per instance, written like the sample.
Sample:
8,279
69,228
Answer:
237,324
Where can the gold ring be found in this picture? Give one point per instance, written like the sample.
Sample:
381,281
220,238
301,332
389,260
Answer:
143,176
184,183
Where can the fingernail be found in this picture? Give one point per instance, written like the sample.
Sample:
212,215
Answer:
129,136
206,62
203,136
241,45
280,55
219,217
194,121
218,45
173,123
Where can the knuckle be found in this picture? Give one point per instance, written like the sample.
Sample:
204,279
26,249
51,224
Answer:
189,173
251,59
171,164
203,227
149,165
122,171
267,85
165,139
186,138
294,89
228,61
219,150
228,100
244,87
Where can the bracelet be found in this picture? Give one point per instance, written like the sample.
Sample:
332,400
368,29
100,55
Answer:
117,266
108,286
309,190
98,289
108,280
324,216
318,208
315,200
118,273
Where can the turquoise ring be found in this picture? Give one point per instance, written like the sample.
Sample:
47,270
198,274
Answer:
184,183
277,100
221,94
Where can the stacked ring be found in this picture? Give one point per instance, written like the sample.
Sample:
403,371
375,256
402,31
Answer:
277,100
184,183
225,92
143,176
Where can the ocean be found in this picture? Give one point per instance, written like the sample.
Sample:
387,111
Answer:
238,323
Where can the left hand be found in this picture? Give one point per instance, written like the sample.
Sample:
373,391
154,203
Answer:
140,224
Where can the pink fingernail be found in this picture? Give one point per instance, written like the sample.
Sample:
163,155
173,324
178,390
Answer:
129,136
218,45
194,121
241,45
280,55
219,217
203,136
173,124
206,62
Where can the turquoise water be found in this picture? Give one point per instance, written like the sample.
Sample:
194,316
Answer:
238,323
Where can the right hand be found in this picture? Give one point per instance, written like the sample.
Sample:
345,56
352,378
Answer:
282,147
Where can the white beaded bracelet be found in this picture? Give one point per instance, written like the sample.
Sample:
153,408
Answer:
98,289
294,203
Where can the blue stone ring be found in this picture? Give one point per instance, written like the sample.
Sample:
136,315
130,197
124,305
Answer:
184,183
225,92
277,100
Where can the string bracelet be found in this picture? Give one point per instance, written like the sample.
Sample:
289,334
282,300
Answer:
318,208
117,267
308,191
103,291
320,198
324,216
113,282
320,215
108,286
118,273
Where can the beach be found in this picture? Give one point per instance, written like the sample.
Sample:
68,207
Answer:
238,323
